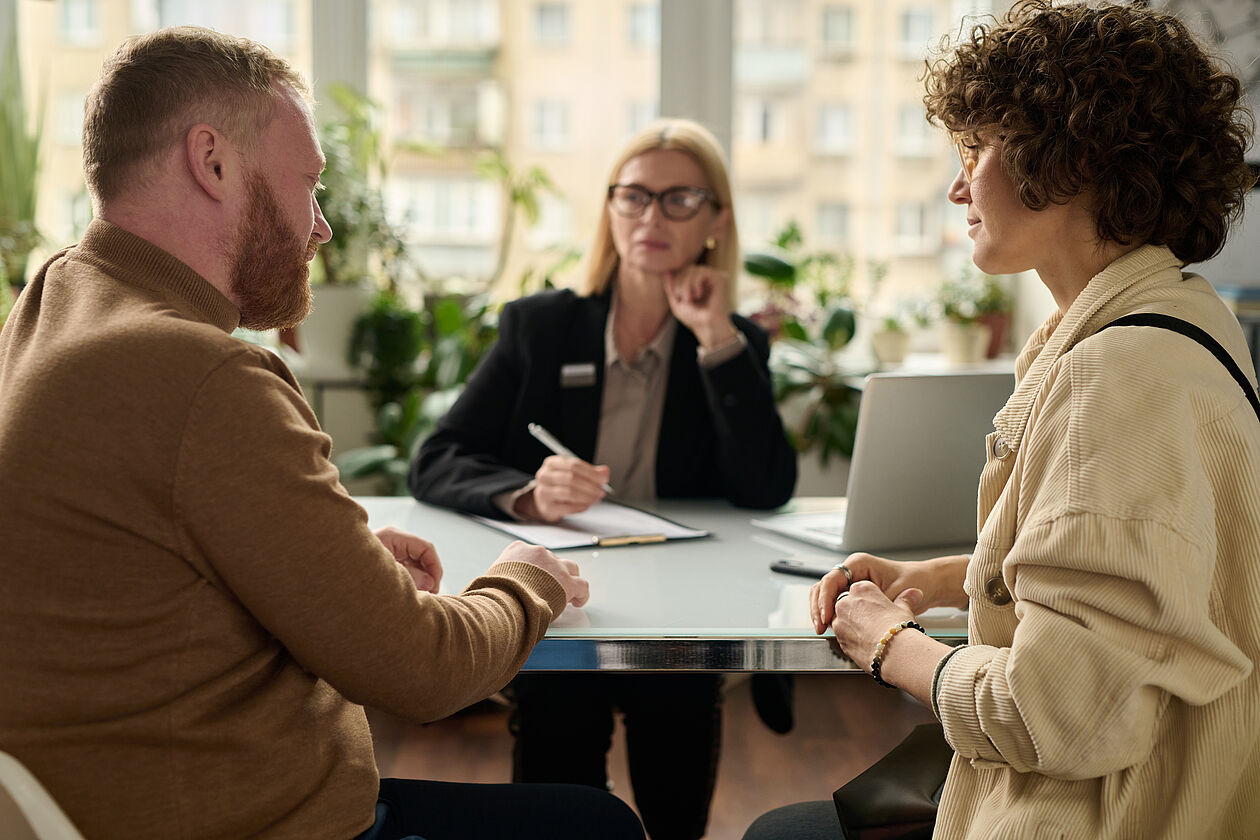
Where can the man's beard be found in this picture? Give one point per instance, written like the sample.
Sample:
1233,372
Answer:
270,271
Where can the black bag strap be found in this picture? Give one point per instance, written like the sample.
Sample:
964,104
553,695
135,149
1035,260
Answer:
1167,322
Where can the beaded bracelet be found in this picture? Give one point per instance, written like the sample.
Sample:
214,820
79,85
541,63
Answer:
876,663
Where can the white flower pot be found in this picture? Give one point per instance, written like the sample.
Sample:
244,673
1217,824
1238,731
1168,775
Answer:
325,334
890,346
964,344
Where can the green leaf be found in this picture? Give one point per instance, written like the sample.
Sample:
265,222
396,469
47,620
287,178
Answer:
448,316
365,461
792,328
839,328
773,268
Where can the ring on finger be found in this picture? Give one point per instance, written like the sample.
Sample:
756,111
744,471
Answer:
842,595
848,573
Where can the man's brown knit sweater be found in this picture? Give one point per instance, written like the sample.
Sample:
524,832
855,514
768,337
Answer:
191,607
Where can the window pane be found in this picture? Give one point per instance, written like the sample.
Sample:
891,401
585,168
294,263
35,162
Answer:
835,129
551,24
833,223
837,30
644,24
66,48
80,23
553,85
837,142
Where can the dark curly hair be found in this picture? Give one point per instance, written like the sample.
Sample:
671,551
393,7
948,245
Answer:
1119,102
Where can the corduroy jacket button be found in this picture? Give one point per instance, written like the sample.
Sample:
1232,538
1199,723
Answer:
997,593
1000,449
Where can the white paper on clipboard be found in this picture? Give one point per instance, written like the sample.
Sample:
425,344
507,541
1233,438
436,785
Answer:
602,524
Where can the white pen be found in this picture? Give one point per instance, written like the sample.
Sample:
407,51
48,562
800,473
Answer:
548,440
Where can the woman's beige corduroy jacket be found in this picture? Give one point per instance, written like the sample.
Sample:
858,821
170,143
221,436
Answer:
1110,689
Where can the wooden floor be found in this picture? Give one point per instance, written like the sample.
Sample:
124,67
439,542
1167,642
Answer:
844,722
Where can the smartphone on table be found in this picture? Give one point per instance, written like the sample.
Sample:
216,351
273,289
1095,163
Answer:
805,565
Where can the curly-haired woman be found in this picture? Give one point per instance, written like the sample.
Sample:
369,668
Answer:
1109,688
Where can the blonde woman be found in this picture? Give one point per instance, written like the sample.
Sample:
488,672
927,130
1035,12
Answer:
661,392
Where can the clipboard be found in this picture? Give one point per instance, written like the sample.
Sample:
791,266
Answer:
603,525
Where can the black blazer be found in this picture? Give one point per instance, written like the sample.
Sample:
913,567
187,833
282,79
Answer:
720,433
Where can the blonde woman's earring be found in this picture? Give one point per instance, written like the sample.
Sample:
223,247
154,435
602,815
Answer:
710,243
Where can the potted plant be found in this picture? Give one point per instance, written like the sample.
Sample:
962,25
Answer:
964,339
364,239
416,365
891,342
19,170
6,299
995,304
521,191
811,318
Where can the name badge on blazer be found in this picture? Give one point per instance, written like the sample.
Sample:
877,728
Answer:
579,375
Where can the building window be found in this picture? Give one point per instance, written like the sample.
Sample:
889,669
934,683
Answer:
438,208
911,232
555,223
452,221
472,22
187,12
273,24
640,114
833,222
551,24
68,118
80,23
837,31
644,25
77,210
762,121
915,135
764,23
549,130
757,216
834,135
916,33
435,113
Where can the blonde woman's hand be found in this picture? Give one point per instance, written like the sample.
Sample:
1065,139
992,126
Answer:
700,298
563,485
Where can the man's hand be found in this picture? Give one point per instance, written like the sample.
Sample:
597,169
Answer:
576,589
563,485
417,556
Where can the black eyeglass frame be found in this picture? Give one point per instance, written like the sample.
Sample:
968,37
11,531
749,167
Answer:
706,196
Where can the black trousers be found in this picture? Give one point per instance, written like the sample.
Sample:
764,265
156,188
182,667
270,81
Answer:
802,821
563,725
419,810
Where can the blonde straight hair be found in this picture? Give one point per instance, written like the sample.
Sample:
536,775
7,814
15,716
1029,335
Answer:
701,146
157,86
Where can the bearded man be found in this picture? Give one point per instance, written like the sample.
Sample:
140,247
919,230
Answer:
192,608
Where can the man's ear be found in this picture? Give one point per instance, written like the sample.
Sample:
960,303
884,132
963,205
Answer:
206,152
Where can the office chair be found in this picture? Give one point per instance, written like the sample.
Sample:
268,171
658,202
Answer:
27,812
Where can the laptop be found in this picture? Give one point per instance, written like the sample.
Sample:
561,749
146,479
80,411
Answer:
916,465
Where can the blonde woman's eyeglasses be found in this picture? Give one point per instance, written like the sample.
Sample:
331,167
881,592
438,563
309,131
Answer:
677,203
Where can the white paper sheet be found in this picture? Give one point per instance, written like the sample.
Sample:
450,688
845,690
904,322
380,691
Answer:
602,524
